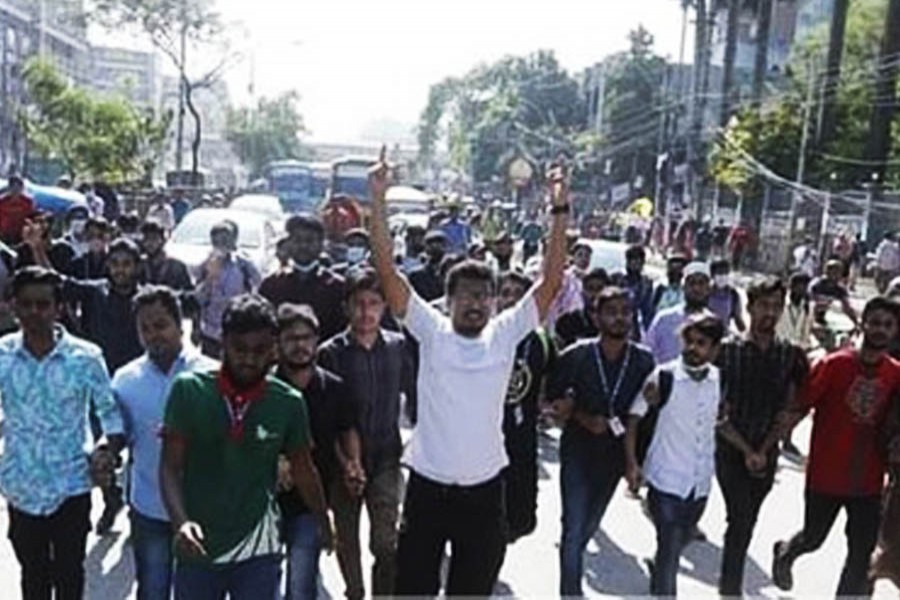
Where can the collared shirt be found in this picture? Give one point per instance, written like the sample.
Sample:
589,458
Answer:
107,319
640,288
725,303
681,456
238,276
45,405
574,326
664,336
168,271
141,390
755,385
668,296
378,377
462,386
321,288
795,325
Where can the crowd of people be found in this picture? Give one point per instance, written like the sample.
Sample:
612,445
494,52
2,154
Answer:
252,444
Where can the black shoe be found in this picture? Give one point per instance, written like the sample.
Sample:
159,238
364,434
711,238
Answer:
697,535
111,510
781,568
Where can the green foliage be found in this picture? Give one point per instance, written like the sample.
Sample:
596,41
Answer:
524,105
103,138
774,136
270,131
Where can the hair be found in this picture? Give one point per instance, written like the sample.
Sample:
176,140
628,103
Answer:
598,273
470,270
364,279
706,324
579,244
719,265
677,259
292,314
304,222
125,245
15,180
797,276
357,233
128,220
97,223
415,230
881,303
77,210
608,295
765,287
636,251
162,295
248,313
516,278
151,227
448,262
36,275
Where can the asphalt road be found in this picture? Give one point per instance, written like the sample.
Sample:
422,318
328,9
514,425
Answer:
615,565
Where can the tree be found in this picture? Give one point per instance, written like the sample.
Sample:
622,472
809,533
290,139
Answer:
885,92
174,27
519,105
105,138
270,131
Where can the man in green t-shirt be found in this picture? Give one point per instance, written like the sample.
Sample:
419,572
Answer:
223,433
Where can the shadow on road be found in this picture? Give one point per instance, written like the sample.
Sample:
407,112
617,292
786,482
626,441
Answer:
118,580
705,559
613,571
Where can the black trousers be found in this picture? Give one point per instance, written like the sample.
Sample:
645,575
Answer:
51,549
471,518
863,521
744,495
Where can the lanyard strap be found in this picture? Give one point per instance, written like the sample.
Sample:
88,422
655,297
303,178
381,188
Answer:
611,397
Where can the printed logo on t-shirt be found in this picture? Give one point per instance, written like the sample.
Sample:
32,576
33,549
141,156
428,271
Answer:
519,382
863,400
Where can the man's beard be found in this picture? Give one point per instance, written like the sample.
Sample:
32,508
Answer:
296,365
695,304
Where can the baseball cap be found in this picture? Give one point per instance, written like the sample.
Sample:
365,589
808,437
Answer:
696,268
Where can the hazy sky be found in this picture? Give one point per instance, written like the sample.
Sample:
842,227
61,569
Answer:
356,62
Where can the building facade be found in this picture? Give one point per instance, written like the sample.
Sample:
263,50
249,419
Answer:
132,74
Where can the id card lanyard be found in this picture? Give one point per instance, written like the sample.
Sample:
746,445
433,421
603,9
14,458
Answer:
611,397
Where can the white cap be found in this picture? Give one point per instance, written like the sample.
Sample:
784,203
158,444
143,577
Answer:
696,268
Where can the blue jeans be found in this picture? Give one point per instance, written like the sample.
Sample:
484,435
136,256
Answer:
257,578
675,519
587,483
151,542
304,544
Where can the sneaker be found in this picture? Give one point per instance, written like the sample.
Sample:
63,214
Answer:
110,511
781,568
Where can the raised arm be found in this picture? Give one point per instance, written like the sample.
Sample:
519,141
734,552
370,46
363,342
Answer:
396,288
555,260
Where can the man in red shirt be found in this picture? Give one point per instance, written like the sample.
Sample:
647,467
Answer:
852,395
15,209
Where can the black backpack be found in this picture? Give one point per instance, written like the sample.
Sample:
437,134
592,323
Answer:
647,425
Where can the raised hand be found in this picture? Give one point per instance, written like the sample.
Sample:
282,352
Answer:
380,176
557,180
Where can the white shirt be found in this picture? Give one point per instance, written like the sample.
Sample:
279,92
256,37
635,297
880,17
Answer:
462,382
681,457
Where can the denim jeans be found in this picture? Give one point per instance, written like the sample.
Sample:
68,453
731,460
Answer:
257,578
587,484
304,544
151,542
674,519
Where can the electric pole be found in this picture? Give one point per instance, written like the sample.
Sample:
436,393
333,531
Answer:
182,90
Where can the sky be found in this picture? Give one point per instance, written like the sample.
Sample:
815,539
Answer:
358,64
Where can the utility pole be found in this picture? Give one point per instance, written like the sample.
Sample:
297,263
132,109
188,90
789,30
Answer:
42,29
731,34
661,142
804,138
879,144
761,61
832,76
702,28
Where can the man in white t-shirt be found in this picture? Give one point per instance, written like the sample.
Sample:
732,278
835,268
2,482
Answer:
456,454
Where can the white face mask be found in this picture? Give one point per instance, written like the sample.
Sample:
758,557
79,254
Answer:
76,227
722,280
355,254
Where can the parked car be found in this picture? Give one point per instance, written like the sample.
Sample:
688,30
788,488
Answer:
257,235
608,255
259,203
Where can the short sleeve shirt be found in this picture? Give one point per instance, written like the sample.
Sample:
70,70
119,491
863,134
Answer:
229,484
826,288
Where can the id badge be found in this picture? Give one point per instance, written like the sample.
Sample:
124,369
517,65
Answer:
616,427
519,415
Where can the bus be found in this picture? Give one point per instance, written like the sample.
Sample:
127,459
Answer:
292,182
348,203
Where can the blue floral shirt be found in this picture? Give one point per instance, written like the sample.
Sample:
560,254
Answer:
45,420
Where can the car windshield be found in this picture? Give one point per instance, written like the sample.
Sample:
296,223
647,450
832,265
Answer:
194,229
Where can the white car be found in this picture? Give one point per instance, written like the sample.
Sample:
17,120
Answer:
257,235
607,255
267,205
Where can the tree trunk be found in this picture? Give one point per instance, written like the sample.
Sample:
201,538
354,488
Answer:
831,79
731,33
885,97
198,130
761,64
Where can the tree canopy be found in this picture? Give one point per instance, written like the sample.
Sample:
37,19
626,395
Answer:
270,131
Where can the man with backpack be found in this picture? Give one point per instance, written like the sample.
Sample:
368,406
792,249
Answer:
224,275
679,461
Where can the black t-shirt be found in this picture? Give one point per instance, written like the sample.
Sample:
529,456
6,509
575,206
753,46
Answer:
321,289
107,319
828,288
169,272
332,410
427,282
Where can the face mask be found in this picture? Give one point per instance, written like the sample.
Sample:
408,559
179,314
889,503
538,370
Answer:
76,227
355,254
722,280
